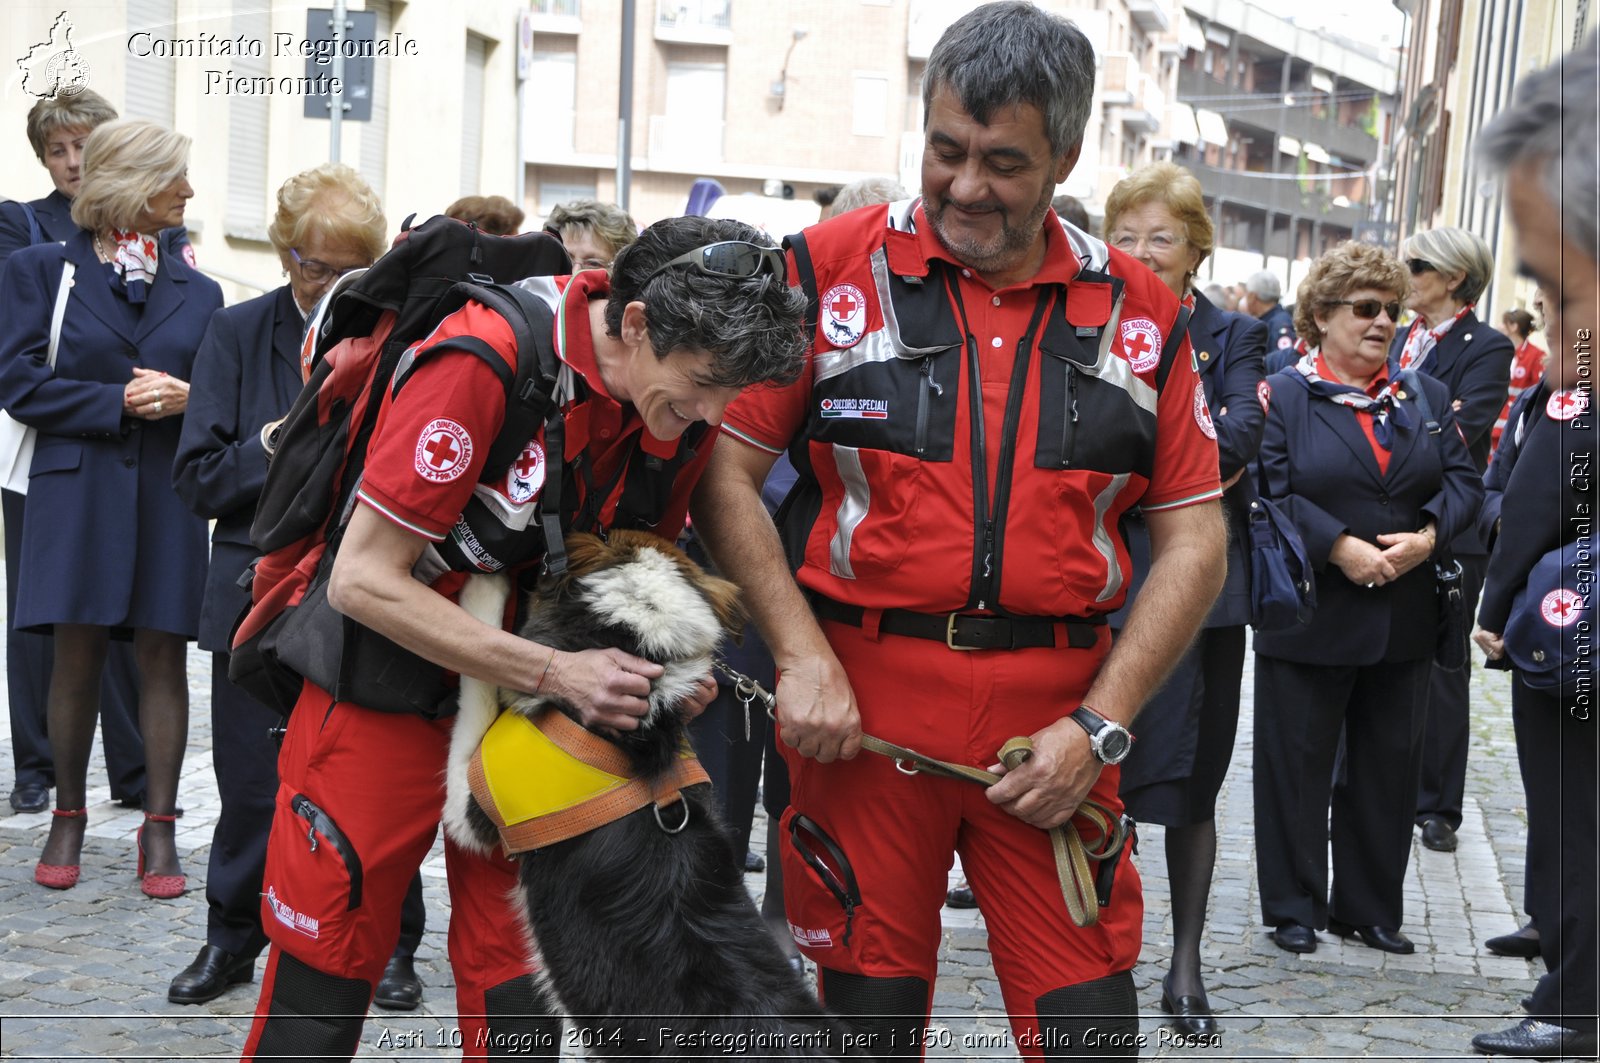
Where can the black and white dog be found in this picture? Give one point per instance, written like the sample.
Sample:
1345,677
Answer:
647,939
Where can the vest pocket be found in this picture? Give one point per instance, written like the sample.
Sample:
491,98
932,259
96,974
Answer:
869,502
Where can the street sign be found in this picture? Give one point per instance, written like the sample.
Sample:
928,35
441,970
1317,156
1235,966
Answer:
358,46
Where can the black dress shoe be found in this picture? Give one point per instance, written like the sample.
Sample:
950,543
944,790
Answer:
1294,937
1524,944
1382,938
210,975
1191,1016
30,797
399,989
960,897
1438,836
1537,1040
753,862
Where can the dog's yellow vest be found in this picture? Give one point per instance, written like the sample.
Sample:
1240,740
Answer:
547,779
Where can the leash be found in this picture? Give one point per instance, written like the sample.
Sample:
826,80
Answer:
1072,855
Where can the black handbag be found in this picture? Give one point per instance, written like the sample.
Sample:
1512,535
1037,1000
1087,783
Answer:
1283,589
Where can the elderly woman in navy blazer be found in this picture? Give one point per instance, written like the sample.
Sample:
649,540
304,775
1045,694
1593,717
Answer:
1186,731
107,547
329,221
1449,270
1349,456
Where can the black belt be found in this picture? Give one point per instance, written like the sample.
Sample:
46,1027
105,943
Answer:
961,632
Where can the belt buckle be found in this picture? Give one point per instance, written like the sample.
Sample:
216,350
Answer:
950,635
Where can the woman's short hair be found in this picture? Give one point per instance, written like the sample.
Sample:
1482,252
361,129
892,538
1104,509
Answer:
495,215
752,326
1176,189
1519,320
1349,267
125,163
1452,250
609,222
83,110
865,193
331,201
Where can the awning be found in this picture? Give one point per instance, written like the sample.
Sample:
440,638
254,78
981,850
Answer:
1191,36
1289,146
1315,153
1180,120
1321,81
1213,130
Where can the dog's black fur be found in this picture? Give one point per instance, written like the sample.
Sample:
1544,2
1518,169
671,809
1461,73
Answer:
638,929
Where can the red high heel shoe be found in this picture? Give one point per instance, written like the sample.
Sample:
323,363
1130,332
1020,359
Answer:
161,887
59,876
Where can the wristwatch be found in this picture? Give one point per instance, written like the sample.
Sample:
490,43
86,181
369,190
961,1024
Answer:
1110,741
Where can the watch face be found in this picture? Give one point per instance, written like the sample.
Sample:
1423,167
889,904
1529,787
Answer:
1114,744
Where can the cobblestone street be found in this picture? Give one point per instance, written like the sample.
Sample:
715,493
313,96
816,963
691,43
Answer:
83,973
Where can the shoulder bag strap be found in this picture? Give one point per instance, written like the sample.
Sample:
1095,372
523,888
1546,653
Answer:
60,310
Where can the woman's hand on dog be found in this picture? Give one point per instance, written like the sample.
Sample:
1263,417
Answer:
607,687
704,694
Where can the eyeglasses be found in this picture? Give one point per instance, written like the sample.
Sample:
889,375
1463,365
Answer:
730,258
1419,266
319,272
1160,242
590,263
1367,309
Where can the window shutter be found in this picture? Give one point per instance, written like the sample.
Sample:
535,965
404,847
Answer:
247,130
472,82
150,85
375,137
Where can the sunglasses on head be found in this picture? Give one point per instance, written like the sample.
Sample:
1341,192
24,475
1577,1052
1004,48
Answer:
1367,309
1418,266
735,259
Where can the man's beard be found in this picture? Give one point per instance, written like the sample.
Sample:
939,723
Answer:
997,253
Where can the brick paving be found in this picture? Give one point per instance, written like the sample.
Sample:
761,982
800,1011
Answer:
83,973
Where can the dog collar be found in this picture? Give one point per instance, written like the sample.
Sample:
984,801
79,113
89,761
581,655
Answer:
545,779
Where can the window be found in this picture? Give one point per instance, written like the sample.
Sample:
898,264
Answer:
554,193
870,111
246,216
374,150
472,79
695,102
550,117
150,80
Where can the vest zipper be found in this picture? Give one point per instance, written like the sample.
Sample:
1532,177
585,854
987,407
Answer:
1069,424
923,403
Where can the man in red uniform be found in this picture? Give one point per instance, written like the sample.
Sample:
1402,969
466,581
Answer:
651,355
988,392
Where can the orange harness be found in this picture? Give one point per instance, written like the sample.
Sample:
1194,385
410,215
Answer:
545,779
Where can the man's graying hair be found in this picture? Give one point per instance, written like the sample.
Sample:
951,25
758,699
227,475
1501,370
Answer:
1552,124
752,326
1009,53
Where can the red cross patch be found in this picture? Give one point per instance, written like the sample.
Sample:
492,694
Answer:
526,475
844,315
1561,607
1264,393
444,450
1202,412
1141,342
1565,405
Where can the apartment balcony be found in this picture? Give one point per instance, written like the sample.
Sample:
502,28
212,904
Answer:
1151,16
677,141
1265,111
1149,106
1275,192
561,17
1117,75
694,22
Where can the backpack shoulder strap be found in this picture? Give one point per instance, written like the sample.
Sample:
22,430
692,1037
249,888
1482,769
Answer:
1413,384
1169,350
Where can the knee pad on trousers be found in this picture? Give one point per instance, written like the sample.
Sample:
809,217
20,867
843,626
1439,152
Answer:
521,1024
313,1015
886,1016
1090,1020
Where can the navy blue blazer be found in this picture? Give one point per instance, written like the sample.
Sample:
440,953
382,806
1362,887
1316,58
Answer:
1228,348
246,374
106,540
53,214
1473,361
1316,462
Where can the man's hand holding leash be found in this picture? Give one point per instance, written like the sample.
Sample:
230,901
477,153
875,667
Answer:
1049,786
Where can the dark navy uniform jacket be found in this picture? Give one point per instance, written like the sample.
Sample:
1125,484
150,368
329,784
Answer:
106,540
1318,465
1280,327
246,374
53,214
1473,361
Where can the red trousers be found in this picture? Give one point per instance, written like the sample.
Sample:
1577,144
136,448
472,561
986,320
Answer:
898,831
334,903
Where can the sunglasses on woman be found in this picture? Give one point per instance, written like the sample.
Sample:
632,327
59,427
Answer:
1367,309
1419,266
735,259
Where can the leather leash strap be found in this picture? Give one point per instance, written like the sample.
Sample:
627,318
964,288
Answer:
1072,856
